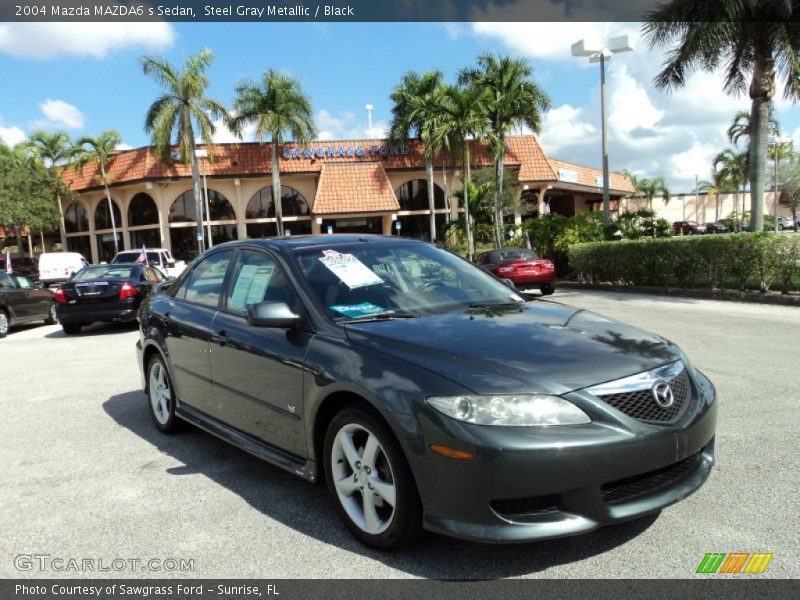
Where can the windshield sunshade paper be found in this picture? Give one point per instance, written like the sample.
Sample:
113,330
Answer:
350,271
365,309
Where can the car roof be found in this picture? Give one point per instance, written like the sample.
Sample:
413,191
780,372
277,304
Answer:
299,242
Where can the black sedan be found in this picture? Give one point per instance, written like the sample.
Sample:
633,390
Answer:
717,227
423,391
22,301
104,293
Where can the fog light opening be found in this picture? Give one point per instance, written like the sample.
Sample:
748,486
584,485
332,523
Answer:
451,452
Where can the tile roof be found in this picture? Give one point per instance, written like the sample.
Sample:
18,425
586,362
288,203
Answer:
252,159
348,187
587,176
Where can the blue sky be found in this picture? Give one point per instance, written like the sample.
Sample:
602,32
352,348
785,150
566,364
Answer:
83,78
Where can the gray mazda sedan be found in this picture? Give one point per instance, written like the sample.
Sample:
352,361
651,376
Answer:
424,392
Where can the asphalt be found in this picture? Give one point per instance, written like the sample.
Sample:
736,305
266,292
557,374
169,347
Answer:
85,475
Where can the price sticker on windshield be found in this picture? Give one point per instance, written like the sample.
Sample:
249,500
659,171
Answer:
350,271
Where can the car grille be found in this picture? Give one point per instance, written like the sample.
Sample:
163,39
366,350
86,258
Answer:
636,399
648,483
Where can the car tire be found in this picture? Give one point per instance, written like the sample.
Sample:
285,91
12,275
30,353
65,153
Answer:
5,323
547,290
363,488
71,328
161,396
51,318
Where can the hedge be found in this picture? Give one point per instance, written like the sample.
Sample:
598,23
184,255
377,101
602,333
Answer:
735,260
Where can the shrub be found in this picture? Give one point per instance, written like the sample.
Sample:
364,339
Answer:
714,260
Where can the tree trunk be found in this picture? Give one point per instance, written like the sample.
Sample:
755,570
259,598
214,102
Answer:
110,208
431,197
498,195
198,199
762,89
468,225
20,244
276,187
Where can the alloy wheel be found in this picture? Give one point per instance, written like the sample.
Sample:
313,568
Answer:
363,478
160,393
3,323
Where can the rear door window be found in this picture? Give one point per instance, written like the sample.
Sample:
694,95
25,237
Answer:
205,283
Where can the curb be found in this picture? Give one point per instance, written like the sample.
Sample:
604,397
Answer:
725,295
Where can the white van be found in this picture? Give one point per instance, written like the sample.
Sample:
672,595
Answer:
57,267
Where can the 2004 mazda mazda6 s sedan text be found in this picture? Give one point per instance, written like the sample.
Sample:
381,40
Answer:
425,392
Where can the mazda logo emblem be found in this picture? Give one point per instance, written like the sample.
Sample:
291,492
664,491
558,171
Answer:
662,394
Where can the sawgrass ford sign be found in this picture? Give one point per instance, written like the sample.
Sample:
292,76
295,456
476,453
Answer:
343,151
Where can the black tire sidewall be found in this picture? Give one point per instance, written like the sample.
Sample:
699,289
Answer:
71,328
172,422
407,520
8,324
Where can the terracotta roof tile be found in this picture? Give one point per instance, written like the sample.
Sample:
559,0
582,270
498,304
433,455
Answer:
587,176
347,187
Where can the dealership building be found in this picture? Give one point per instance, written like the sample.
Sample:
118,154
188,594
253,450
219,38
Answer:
345,186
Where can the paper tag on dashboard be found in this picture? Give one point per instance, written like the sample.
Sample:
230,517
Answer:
351,271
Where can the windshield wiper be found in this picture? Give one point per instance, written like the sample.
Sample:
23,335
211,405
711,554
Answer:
488,304
382,316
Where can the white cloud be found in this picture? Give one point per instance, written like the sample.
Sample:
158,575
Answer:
122,146
12,136
50,40
564,126
691,162
62,114
347,126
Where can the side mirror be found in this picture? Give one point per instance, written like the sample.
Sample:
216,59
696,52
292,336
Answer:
38,285
509,284
161,286
271,314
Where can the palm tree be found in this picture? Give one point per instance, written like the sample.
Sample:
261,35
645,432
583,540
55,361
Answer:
97,151
56,151
732,167
183,110
654,187
757,40
718,184
417,108
511,99
462,118
740,128
279,107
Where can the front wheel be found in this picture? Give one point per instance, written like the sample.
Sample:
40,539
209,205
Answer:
370,480
71,328
547,290
4,323
161,396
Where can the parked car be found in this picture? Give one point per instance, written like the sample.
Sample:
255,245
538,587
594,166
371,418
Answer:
104,293
157,257
688,228
23,301
785,223
57,267
717,227
521,266
423,391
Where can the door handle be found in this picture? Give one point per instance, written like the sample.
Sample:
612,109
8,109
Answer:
220,338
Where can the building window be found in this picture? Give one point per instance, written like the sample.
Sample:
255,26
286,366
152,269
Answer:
105,246
146,238
292,204
142,211
76,219
413,195
183,209
81,244
418,226
102,216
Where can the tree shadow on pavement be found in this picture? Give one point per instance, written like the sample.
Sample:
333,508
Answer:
307,509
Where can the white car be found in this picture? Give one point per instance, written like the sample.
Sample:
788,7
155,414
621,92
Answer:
785,223
157,257
58,267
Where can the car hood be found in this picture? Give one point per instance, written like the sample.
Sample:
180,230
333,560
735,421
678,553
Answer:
536,347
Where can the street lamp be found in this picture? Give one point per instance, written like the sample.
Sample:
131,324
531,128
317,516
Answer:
368,108
779,144
614,46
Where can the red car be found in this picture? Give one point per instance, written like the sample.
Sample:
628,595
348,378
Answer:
521,266
688,228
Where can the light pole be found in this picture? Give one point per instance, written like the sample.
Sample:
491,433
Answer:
204,214
601,55
368,108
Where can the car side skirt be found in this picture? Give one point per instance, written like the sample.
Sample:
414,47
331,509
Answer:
296,465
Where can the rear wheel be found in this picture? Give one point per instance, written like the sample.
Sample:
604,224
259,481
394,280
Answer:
547,290
161,396
51,318
71,328
4,323
370,480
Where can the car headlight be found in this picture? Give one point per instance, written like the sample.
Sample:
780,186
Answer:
517,410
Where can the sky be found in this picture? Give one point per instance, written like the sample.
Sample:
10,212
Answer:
83,78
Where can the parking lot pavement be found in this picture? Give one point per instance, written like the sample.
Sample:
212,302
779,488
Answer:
85,475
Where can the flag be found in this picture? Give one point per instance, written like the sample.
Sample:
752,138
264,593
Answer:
527,241
143,257
8,263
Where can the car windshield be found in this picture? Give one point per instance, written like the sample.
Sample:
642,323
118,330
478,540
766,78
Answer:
373,280
104,272
129,257
514,254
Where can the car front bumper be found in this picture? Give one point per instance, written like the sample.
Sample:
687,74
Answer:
537,483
